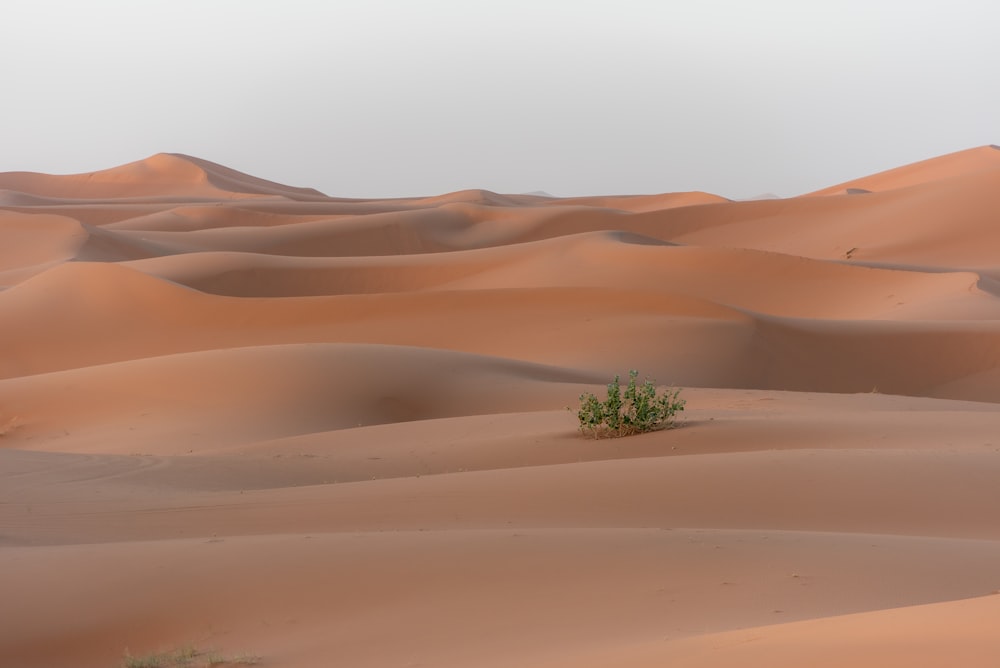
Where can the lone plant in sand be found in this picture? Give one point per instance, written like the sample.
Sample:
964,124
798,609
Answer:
187,657
638,409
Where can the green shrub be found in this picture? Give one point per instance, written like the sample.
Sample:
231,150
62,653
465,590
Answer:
638,409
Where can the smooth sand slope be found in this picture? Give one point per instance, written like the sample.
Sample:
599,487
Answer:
254,419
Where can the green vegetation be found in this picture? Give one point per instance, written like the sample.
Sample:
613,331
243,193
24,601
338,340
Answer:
638,409
186,657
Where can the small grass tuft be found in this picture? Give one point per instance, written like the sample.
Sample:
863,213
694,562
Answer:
238,660
187,657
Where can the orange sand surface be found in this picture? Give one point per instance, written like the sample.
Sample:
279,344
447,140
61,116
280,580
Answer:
254,419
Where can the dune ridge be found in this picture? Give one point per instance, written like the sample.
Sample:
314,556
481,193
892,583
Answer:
171,175
254,418
960,163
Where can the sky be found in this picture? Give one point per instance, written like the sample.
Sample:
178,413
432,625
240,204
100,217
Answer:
370,98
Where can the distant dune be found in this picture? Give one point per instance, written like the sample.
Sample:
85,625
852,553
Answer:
165,175
256,419
959,164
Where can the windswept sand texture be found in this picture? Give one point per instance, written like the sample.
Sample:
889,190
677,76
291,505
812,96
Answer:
249,417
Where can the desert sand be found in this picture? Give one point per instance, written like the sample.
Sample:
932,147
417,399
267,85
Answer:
254,419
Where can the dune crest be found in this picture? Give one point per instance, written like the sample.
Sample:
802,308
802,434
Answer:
253,419
172,175
960,163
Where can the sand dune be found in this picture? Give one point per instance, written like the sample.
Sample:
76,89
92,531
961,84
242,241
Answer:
951,633
349,386
169,175
38,239
961,163
640,203
253,418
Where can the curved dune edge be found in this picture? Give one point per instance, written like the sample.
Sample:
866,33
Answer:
740,278
272,391
953,632
982,158
81,308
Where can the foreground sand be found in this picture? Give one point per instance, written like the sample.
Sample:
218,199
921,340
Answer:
256,419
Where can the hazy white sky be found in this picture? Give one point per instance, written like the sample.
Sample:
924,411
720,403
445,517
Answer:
404,97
